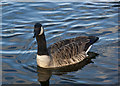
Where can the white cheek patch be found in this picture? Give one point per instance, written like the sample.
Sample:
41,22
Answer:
42,30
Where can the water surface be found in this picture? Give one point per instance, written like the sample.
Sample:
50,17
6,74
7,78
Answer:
61,20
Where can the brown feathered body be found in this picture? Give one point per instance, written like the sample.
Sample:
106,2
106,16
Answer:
69,51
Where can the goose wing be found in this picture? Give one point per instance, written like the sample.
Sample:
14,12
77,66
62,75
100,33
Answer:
57,45
69,51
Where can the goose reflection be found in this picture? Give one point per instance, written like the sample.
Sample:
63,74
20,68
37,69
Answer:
44,74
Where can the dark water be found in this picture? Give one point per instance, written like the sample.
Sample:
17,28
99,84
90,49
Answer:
61,21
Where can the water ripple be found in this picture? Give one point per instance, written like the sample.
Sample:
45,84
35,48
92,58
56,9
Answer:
11,35
17,52
61,20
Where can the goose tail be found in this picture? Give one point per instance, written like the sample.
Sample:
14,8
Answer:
92,39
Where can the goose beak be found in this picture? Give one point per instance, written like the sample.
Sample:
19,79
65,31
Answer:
36,33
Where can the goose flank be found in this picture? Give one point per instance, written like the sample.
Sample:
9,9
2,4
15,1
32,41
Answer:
62,53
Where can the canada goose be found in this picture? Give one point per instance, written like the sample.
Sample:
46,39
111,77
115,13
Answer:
62,53
44,74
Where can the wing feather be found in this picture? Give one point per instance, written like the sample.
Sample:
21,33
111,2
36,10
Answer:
68,51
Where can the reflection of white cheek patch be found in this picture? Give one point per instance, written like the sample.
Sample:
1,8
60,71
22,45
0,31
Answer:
41,32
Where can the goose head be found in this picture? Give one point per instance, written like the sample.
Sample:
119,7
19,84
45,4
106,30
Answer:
41,41
38,30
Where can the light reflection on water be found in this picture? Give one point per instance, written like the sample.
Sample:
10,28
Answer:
61,21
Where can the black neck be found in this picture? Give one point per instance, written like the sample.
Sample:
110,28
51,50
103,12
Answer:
42,47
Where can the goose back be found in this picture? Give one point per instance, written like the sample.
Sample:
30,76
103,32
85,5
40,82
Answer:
69,51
